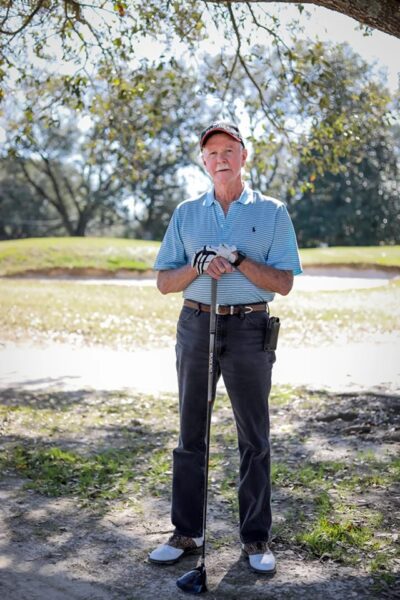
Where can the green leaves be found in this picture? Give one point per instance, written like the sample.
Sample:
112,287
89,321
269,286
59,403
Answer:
308,108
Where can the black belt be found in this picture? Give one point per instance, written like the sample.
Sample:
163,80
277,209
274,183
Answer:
226,309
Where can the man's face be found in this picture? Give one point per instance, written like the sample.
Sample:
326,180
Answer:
223,158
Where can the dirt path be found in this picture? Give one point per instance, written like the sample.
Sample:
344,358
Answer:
350,367
89,558
70,547
106,560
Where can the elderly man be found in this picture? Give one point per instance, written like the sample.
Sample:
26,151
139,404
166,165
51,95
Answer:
247,242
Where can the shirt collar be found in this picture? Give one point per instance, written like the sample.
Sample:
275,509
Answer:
246,197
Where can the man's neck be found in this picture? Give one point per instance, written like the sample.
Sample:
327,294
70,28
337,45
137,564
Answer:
228,194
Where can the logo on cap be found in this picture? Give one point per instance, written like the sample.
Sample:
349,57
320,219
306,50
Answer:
221,127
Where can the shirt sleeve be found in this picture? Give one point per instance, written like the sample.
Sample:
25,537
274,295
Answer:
284,252
172,253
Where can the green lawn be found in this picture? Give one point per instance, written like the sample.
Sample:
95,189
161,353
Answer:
107,255
74,254
65,311
130,316
362,256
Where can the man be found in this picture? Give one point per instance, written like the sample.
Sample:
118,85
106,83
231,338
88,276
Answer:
247,242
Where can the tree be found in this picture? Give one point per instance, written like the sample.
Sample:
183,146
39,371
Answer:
151,118
22,212
85,36
377,14
357,207
92,34
337,165
355,202
137,107
161,189
18,16
56,162
138,135
324,98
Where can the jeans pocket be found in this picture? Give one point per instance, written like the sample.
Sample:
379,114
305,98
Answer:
186,314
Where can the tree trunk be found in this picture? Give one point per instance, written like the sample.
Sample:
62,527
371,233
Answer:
378,14
80,229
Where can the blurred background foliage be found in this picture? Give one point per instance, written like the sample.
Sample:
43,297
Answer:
102,105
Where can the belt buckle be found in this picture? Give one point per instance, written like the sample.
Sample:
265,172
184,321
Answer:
248,309
223,309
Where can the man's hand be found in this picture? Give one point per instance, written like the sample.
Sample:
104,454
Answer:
202,258
219,266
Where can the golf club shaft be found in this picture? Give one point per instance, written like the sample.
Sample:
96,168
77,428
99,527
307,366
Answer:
210,400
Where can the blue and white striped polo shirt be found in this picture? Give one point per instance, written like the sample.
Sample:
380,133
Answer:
257,225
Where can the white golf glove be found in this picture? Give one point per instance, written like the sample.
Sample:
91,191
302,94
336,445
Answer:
227,252
202,258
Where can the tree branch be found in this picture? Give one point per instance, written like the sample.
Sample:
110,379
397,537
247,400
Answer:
71,192
25,23
44,194
378,14
230,74
59,203
4,20
265,108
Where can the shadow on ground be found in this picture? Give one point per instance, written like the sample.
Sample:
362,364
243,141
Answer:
85,495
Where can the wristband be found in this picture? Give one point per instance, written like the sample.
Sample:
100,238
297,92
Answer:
240,258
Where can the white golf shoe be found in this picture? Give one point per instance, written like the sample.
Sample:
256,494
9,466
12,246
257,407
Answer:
260,557
176,547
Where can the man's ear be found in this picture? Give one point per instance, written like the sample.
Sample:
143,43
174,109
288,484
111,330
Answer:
244,156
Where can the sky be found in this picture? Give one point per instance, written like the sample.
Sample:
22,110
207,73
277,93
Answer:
330,25
316,22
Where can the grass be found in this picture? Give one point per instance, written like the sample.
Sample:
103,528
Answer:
108,450
335,540
139,316
109,255
335,526
74,254
121,316
355,256
117,316
56,472
336,509
137,462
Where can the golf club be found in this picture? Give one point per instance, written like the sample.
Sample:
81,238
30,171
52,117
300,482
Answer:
195,581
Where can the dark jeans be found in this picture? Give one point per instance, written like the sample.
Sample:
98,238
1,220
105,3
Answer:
246,371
